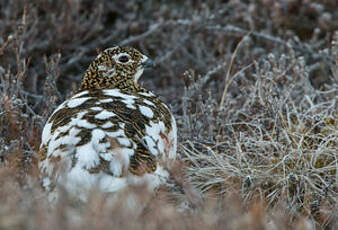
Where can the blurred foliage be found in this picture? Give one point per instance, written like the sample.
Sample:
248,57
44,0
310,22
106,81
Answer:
253,85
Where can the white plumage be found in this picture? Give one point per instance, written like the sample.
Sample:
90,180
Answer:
111,132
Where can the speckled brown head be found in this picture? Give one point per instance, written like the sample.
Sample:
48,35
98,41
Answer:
117,67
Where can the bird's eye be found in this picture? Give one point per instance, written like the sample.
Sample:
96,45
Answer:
124,59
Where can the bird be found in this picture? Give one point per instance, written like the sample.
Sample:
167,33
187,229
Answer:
111,132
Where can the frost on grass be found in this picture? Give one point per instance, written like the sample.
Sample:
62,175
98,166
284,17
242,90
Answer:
253,86
276,139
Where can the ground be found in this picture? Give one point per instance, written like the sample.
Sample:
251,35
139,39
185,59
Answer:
253,86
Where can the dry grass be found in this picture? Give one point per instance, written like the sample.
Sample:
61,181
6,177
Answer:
253,87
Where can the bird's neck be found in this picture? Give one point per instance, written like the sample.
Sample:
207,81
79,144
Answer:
94,79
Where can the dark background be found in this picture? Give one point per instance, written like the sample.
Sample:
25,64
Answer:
274,63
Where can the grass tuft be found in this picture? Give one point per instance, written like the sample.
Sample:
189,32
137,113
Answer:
253,86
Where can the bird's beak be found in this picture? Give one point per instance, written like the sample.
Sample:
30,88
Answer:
147,63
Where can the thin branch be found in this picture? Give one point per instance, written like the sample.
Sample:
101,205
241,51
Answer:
132,39
227,77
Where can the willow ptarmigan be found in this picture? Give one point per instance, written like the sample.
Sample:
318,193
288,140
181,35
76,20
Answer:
111,132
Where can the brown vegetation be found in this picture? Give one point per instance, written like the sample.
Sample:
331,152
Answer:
253,87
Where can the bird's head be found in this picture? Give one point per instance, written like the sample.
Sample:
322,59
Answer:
116,67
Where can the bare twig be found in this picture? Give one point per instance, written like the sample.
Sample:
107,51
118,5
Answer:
228,80
153,28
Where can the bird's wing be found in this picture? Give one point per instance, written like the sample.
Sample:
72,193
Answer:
107,131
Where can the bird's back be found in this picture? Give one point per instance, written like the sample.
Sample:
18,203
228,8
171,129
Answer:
106,138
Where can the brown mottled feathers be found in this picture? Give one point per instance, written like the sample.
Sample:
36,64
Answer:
110,128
